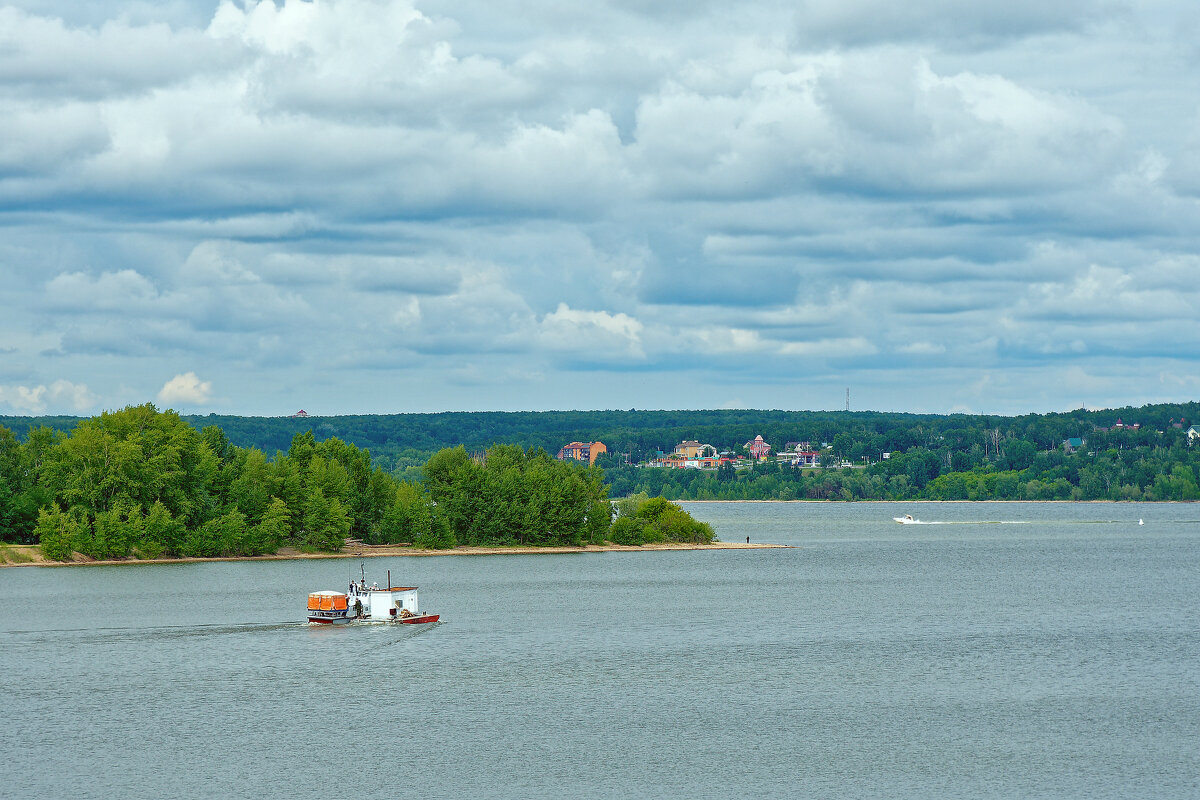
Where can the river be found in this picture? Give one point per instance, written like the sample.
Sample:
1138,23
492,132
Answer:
1005,650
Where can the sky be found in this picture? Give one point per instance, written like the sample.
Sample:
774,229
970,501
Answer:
359,206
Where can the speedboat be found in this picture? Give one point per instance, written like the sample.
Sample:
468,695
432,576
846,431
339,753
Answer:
907,519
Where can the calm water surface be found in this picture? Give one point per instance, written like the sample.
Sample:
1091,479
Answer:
1010,650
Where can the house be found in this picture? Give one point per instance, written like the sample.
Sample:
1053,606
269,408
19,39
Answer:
690,448
1072,444
797,447
1193,435
300,413
758,448
582,451
680,461
701,462
659,459
803,458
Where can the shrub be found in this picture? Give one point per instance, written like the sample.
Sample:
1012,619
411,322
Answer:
58,532
628,531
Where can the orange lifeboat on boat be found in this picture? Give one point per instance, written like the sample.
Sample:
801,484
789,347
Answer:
329,608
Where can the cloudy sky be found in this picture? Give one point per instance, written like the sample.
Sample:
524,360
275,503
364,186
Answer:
360,206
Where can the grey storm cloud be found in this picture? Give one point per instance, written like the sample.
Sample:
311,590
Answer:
370,205
946,22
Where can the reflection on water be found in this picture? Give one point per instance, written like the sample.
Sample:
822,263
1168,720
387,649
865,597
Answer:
1059,657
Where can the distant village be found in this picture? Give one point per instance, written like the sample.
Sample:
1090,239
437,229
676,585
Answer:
691,454
1071,445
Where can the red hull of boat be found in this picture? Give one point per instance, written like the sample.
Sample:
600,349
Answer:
420,619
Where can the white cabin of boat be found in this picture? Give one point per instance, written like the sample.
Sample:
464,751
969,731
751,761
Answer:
384,604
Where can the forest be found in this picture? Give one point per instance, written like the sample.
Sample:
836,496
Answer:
144,483
401,443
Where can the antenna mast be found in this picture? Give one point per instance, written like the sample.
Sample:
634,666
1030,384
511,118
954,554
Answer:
847,398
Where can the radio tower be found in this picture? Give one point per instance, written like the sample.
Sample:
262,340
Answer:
847,398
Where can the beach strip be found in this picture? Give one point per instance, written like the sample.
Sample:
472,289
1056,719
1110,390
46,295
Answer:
31,556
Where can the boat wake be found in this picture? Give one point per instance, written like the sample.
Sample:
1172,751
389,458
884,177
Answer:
163,631
910,521
413,632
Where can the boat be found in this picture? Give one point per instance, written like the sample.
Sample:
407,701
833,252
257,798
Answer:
907,519
363,603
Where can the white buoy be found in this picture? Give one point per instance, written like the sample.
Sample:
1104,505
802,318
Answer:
1140,522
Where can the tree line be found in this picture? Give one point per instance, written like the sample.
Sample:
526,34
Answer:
144,483
402,443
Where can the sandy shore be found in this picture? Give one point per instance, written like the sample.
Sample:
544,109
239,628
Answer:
29,555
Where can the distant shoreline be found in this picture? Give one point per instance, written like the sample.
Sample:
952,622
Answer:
944,502
32,552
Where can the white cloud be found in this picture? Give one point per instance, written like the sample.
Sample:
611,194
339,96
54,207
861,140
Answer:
716,340
922,348
123,292
185,389
41,56
407,314
596,335
59,396
830,348
774,131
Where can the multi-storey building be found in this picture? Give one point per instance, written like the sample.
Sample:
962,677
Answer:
582,451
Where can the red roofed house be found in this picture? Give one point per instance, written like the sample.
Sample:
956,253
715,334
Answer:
582,451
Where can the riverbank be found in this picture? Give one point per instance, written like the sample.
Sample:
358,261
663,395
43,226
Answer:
30,555
827,501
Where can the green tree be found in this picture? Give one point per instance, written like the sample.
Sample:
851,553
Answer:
409,518
326,522
221,536
250,492
599,521
162,533
274,528
58,532
666,521
135,456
